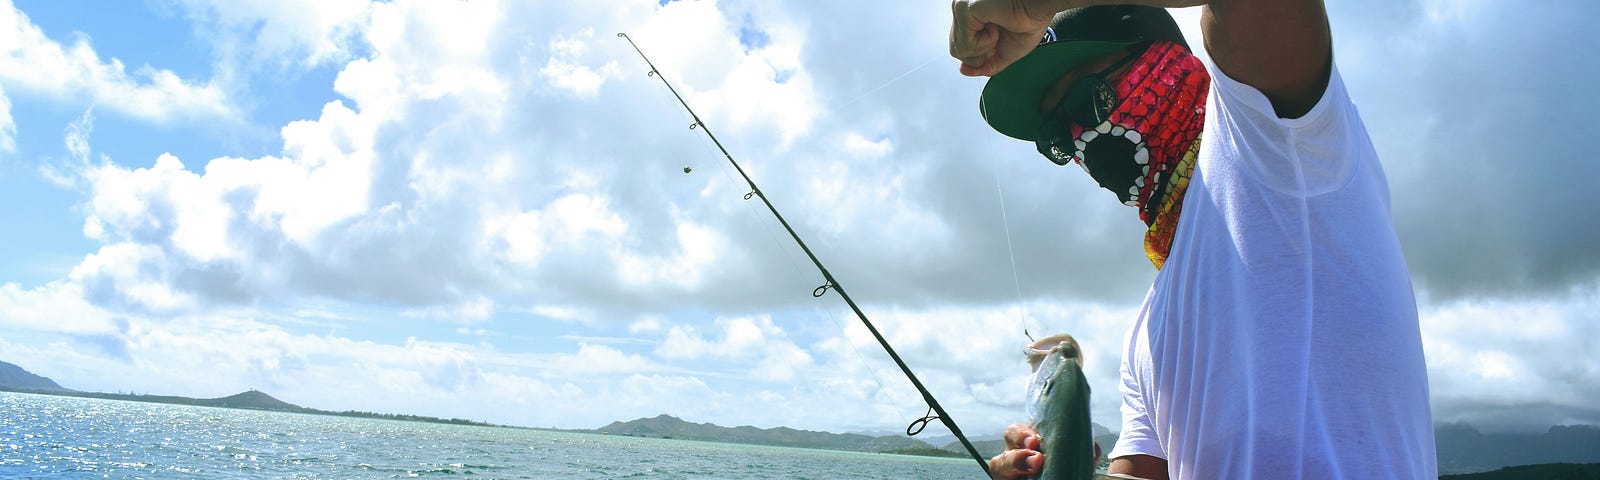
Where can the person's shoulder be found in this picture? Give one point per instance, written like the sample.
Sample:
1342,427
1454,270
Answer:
1283,48
1311,154
1233,98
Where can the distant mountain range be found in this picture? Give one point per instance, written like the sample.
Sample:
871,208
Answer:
15,379
1463,449
1547,471
248,400
13,376
667,426
992,447
1561,452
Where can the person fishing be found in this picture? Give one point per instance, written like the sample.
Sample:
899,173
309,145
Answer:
1280,338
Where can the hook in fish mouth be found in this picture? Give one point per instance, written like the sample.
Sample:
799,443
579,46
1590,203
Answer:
1038,350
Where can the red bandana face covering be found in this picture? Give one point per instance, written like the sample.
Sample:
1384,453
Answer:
1144,152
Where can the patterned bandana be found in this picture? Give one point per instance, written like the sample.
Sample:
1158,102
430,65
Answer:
1144,153
1158,239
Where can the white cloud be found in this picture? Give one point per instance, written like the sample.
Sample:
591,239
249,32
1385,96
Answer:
426,190
686,267
128,276
57,307
220,354
757,343
518,236
454,60
1487,356
471,311
566,70
695,44
579,79
439,366
971,358
243,218
645,325
77,136
32,62
440,190
294,32
68,173
571,222
560,312
8,126
860,146
597,360
1494,365
164,223
740,338
324,179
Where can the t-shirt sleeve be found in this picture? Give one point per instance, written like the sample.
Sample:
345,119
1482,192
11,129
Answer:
1303,156
1138,435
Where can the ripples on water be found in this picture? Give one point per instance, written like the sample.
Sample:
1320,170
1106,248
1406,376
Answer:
65,437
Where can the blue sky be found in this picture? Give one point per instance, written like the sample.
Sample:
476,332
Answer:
477,208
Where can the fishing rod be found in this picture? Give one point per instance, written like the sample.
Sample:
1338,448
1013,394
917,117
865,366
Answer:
936,412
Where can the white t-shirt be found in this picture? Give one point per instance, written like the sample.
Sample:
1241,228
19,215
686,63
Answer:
1280,340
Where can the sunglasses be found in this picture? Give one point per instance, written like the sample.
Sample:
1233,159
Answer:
1088,103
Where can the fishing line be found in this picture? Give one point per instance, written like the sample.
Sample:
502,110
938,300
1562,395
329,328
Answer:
894,402
1022,312
797,269
666,106
1005,223
829,282
886,84
796,266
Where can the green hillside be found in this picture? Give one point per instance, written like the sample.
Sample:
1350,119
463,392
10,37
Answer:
667,426
1549,471
15,378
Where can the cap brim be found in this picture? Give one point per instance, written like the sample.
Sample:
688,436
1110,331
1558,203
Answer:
1011,99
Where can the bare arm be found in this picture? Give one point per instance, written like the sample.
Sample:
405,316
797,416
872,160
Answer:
1280,47
1142,466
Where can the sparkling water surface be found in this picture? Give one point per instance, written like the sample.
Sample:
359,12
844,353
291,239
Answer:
65,437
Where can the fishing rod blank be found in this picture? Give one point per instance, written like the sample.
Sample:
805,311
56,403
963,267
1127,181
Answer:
829,283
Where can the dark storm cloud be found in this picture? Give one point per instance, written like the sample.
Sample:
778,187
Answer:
1484,113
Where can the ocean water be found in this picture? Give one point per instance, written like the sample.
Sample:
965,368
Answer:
64,437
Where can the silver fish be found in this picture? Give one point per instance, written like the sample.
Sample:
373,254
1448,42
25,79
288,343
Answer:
1058,408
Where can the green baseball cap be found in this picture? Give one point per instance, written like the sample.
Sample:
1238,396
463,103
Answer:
1011,98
